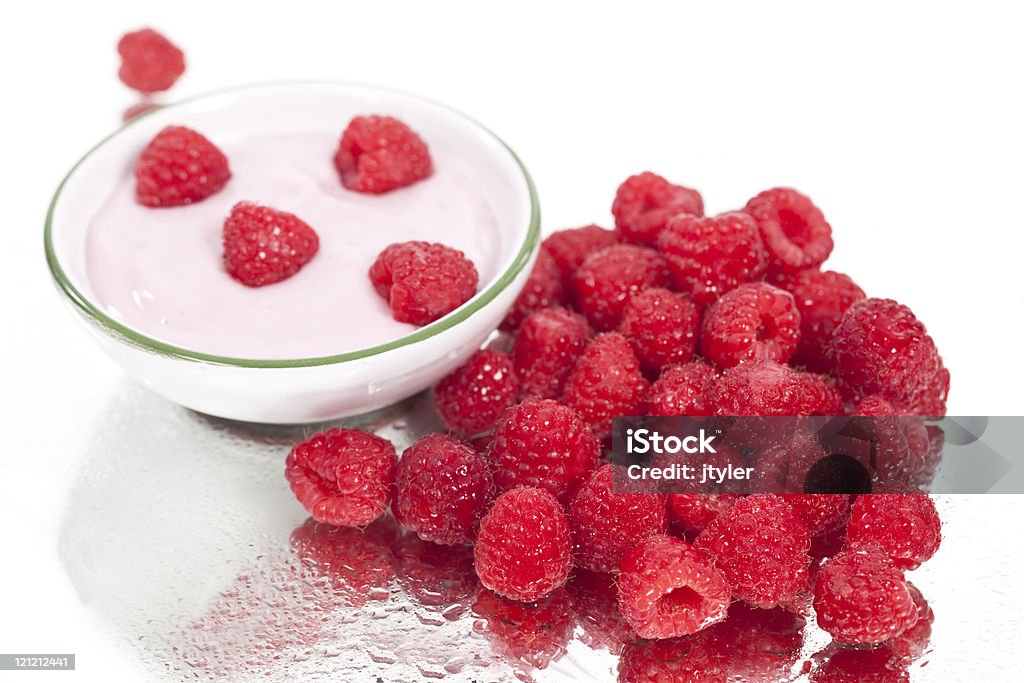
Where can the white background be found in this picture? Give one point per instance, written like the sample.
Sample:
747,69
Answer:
903,122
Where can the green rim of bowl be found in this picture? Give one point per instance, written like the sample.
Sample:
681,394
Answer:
128,335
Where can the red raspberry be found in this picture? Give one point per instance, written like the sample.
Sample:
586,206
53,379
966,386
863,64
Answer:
570,248
423,281
378,154
179,166
768,388
821,297
536,633
644,203
602,285
879,347
546,349
342,476
913,643
442,489
682,390
662,328
875,405
474,397
263,245
710,256
595,600
694,511
762,545
605,524
544,444
861,598
794,230
543,289
755,321
149,62
668,588
821,511
606,383
783,460
524,548
435,576
904,526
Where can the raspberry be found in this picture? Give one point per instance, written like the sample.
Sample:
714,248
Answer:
912,643
757,644
546,349
861,598
602,285
606,383
794,230
473,398
689,659
605,524
544,288
442,489
263,245
433,575
179,166
906,527
570,248
879,347
149,62
694,511
662,328
342,476
821,297
822,511
783,460
875,405
710,256
594,599
841,664
682,390
762,545
755,321
423,281
536,633
768,388
668,588
544,444
644,203
378,154
524,549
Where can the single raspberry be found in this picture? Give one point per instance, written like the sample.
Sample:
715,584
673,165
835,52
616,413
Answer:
645,202
711,256
423,281
694,511
906,527
179,166
544,444
606,383
821,511
861,597
606,524
595,600
263,245
755,321
762,545
682,390
536,633
794,230
543,289
662,328
442,488
546,349
821,296
570,248
668,588
378,154
879,347
913,643
474,397
524,549
435,576
342,476
691,658
149,62
138,109
602,285
785,454
875,405
768,388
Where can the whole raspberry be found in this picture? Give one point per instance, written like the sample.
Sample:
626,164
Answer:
762,545
544,444
821,296
149,62
668,588
423,281
711,256
794,230
536,633
694,511
662,328
474,397
861,598
570,248
904,526
544,289
546,349
378,154
821,511
442,488
606,383
342,476
524,549
602,285
179,166
682,390
645,202
606,524
755,321
768,388
879,347
263,245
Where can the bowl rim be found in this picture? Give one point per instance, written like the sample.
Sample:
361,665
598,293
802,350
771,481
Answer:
135,338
